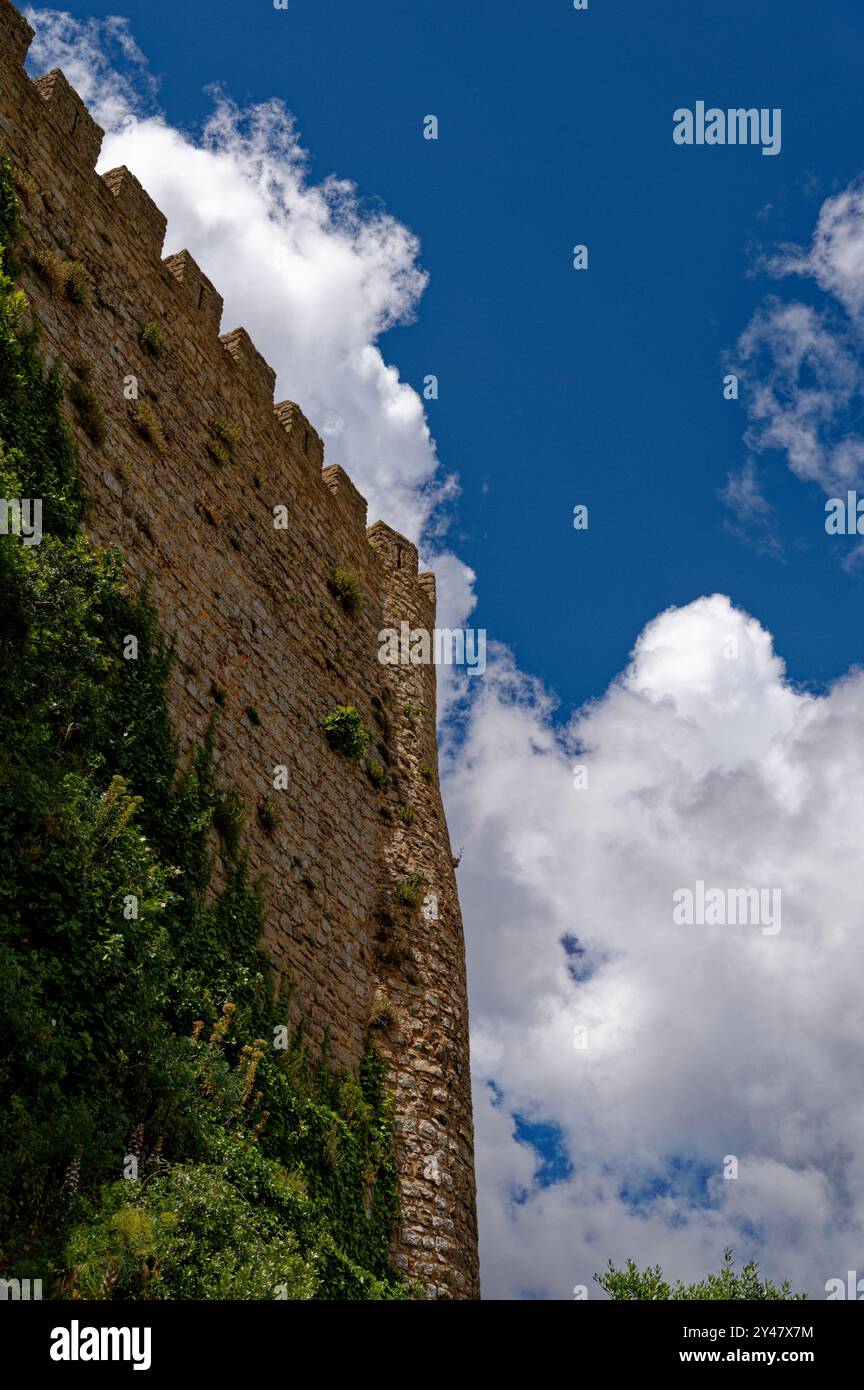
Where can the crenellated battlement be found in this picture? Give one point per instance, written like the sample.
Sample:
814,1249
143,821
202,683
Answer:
67,124
141,215
201,296
219,498
68,119
16,36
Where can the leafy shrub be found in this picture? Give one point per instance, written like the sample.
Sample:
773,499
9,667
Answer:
10,212
406,815
192,1233
346,732
426,772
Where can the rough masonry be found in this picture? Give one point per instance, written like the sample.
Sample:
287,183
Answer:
258,630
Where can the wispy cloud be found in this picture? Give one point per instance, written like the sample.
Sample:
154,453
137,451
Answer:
801,365
835,258
752,512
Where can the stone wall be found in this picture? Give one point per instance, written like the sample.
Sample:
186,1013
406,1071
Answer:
257,628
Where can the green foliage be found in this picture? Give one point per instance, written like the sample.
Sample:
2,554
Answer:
413,711
345,586
10,212
65,276
192,1233
137,1011
375,772
78,283
153,339
346,732
406,815
410,893
225,434
634,1285
253,716
144,419
426,772
228,431
218,452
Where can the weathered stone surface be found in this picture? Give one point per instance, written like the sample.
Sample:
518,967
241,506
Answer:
244,603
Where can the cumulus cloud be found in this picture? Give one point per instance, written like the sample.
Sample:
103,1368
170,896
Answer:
703,763
315,276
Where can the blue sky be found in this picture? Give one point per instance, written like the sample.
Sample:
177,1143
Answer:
557,387
603,388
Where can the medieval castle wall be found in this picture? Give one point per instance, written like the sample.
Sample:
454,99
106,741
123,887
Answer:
249,609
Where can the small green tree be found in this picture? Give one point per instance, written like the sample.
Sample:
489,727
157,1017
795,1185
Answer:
632,1285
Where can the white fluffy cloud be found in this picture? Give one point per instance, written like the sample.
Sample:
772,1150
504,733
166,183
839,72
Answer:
703,1041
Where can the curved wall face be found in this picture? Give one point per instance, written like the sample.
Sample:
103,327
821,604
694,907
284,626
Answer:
248,605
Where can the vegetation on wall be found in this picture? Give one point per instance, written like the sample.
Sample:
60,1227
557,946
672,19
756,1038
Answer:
224,435
153,339
345,586
162,1134
345,731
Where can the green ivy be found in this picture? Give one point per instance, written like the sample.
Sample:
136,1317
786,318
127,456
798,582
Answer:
140,1026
